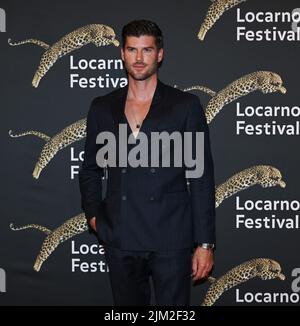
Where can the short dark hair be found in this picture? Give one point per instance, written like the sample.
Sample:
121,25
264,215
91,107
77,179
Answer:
143,27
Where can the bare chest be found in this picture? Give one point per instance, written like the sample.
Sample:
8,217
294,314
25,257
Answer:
136,113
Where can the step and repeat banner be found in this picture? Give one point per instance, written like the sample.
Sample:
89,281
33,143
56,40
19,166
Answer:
240,57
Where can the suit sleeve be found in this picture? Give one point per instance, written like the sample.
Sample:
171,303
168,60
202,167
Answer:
202,189
90,174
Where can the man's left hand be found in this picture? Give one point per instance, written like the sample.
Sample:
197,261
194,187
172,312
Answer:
202,263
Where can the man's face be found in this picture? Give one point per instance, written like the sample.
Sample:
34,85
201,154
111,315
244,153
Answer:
141,57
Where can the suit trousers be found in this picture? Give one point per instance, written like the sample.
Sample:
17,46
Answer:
130,272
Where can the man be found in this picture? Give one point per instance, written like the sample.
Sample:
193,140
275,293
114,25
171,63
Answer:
152,222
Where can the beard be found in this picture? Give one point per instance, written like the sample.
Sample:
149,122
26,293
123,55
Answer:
141,75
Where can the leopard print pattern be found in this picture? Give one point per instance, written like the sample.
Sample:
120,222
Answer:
67,230
97,34
215,11
31,226
201,89
265,81
30,41
66,137
264,268
264,175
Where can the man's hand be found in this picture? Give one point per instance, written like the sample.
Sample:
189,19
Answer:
92,223
203,261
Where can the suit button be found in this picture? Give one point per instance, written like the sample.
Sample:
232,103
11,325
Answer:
124,170
152,170
151,198
124,197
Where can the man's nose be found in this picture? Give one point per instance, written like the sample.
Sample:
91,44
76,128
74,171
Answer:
139,56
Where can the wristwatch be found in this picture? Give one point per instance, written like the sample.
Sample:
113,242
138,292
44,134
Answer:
207,245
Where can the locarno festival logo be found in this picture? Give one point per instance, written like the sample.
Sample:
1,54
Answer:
2,20
2,280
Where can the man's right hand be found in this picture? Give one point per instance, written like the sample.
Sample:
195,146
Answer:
92,223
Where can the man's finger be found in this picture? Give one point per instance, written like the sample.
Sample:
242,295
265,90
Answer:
92,223
203,271
195,267
200,272
197,271
206,272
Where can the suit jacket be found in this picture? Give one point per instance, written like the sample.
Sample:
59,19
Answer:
149,208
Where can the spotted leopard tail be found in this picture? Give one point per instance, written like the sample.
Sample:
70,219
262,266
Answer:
202,89
67,230
31,132
30,226
32,41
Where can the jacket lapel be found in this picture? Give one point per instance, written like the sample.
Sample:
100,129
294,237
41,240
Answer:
153,117
118,106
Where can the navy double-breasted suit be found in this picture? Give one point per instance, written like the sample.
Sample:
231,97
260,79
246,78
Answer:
149,208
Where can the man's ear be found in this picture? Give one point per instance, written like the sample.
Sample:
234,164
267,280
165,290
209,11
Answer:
160,55
122,54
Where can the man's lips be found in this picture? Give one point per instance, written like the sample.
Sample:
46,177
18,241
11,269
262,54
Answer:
139,66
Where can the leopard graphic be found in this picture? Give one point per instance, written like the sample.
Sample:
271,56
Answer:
264,268
97,34
264,175
264,81
267,82
73,226
201,89
64,138
215,11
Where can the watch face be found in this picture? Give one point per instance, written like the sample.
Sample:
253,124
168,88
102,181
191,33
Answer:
208,245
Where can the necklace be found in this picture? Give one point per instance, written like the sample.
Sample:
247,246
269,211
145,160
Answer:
137,124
